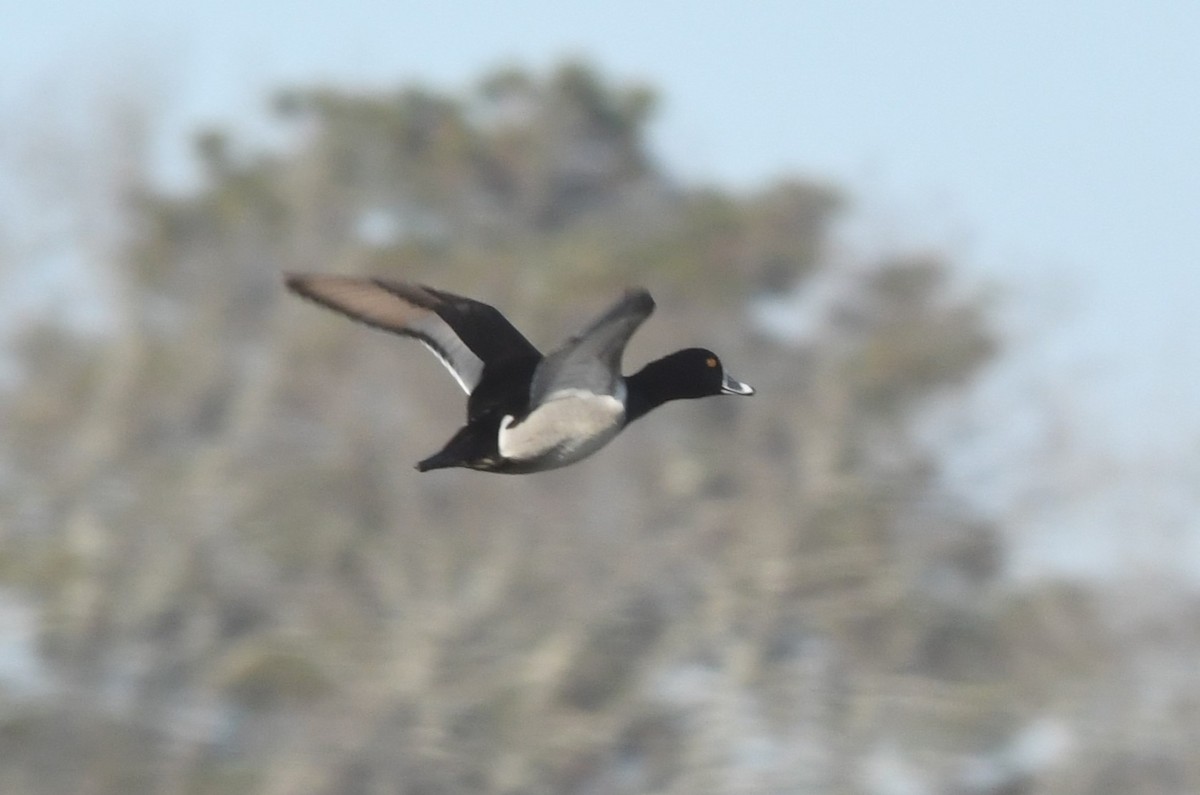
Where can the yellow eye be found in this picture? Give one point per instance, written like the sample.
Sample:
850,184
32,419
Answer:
712,361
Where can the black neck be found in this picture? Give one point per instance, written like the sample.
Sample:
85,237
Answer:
651,387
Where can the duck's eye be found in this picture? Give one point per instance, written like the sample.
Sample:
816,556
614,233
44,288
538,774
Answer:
712,361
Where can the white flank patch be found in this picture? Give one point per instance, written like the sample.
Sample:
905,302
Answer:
570,425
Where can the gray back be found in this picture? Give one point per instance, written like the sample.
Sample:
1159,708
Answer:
591,360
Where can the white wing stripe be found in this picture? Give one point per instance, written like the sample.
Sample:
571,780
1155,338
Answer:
446,363
461,361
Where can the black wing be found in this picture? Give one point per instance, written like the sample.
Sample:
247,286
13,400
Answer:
591,359
466,335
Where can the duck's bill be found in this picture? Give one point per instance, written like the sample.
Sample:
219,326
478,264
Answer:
732,386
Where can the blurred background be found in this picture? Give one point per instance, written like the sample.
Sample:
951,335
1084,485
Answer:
952,545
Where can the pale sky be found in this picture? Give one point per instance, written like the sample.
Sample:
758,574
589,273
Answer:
1053,147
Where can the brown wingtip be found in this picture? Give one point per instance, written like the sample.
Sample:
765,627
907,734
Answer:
641,298
294,281
310,286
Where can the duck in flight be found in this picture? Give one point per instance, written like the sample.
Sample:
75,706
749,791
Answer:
525,412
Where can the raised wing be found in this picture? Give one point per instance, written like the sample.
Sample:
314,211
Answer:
591,360
466,335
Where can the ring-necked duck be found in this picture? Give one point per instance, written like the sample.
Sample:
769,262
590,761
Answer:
526,412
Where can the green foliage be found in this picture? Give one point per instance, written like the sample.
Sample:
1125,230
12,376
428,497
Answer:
261,675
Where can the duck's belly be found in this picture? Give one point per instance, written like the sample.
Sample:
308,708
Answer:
563,430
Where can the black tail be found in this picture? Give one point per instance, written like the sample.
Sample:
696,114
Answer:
470,447
439,460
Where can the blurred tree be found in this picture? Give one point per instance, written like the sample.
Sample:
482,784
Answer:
242,587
